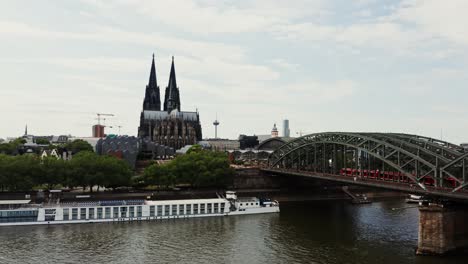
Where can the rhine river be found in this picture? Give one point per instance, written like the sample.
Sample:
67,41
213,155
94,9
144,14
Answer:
312,232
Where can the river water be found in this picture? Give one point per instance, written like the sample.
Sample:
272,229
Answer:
313,232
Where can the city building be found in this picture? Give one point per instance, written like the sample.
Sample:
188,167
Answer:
286,131
274,131
271,143
62,139
128,148
248,142
32,140
98,131
263,137
28,138
220,144
251,156
170,126
464,145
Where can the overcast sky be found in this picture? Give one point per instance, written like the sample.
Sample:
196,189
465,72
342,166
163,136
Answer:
363,65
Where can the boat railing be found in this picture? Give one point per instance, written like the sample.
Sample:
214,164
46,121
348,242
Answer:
98,203
21,206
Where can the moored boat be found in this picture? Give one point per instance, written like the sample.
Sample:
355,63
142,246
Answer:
22,212
413,198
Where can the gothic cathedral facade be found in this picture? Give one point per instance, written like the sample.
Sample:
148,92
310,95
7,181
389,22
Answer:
170,126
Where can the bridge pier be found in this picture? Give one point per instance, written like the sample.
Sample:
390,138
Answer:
442,230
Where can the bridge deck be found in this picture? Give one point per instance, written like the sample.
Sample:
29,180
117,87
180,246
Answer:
404,187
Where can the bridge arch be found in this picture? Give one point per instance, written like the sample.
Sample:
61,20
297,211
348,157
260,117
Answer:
271,143
421,160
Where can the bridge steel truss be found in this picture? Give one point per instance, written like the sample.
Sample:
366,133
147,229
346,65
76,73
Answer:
416,157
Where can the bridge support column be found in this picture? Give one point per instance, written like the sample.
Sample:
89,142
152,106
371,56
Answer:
442,230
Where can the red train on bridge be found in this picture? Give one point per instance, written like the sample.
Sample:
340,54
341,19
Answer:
393,176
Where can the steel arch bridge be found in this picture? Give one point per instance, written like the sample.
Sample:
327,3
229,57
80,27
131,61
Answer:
404,162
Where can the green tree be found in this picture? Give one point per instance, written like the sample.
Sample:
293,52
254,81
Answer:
159,175
87,169
11,147
199,168
19,141
78,145
194,149
22,173
83,169
4,170
114,172
42,141
52,171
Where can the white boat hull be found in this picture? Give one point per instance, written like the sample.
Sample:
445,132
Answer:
175,209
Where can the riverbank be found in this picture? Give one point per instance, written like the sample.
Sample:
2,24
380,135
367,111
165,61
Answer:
281,195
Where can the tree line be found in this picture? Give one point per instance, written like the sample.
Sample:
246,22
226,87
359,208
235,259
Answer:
86,169
15,146
11,147
197,168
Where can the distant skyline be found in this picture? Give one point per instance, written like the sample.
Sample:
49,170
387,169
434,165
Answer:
364,65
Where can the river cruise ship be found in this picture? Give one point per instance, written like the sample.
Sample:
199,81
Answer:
22,212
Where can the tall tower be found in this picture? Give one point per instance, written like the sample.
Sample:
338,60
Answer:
274,131
172,98
152,99
216,124
286,131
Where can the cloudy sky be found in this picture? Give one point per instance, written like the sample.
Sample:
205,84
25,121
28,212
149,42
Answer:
363,65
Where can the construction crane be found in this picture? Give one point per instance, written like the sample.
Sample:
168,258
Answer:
101,114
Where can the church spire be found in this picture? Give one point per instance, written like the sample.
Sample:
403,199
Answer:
172,78
152,79
152,99
172,98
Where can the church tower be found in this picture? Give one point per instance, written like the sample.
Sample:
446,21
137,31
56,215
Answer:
152,99
274,131
168,127
172,98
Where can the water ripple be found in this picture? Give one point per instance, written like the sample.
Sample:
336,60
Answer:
319,232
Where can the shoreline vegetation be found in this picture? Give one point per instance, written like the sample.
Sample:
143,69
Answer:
88,170
196,168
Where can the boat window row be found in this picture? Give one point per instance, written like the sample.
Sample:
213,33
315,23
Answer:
247,204
137,211
186,209
18,216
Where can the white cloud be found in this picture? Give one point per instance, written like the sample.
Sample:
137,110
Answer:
319,92
388,36
285,65
253,62
446,19
430,28
10,29
208,17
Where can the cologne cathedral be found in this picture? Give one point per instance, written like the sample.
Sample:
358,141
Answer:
169,126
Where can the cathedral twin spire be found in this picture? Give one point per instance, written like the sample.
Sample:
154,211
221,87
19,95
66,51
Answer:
172,98
152,99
